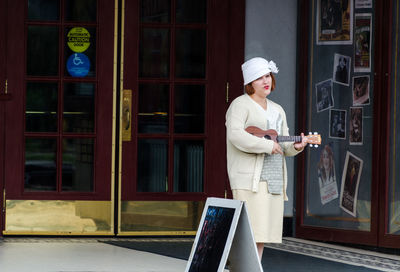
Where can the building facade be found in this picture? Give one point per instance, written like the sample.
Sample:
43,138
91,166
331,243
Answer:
112,113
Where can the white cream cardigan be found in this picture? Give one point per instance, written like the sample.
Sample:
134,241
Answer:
245,152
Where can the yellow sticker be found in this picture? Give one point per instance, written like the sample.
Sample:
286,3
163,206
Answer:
78,39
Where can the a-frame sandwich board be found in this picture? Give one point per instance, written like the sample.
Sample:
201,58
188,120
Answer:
224,238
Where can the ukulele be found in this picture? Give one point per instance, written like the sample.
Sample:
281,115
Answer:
271,134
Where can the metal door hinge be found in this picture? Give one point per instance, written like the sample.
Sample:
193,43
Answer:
6,87
227,92
226,193
4,200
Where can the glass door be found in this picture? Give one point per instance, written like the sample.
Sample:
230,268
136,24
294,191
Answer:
175,92
338,200
59,126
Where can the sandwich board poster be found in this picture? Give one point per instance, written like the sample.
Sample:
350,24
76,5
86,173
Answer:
224,231
350,183
334,22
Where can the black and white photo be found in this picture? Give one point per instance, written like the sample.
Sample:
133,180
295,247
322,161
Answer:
324,96
341,69
337,124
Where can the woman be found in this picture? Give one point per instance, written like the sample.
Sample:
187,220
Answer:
256,166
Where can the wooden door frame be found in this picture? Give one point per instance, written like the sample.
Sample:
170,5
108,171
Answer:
237,21
3,98
324,233
385,239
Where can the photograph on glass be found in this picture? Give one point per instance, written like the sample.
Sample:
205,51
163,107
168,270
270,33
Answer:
356,126
337,124
363,4
362,42
324,97
361,90
350,183
334,22
341,69
327,176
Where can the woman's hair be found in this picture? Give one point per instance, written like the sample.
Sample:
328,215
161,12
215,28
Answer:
250,90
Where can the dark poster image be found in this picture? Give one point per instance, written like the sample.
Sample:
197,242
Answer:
361,90
212,240
350,182
362,50
334,22
356,126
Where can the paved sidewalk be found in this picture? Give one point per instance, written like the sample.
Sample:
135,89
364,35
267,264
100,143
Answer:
24,254
81,256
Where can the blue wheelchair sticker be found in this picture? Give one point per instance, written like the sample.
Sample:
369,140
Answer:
78,65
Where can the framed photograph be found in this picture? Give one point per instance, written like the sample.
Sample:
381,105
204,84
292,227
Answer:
361,90
350,182
362,42
214,236
363,4
327,175
334,22
341,69
323,93
356,126
337,124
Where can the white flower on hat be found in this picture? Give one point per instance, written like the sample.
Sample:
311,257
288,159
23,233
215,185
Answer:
257,67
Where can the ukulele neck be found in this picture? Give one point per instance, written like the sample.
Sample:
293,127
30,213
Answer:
295,139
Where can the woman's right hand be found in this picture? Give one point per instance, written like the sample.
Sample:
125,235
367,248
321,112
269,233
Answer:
277,149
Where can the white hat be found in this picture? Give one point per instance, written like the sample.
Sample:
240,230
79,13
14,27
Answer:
257,67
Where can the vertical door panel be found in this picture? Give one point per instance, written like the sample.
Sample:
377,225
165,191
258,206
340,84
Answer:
3,98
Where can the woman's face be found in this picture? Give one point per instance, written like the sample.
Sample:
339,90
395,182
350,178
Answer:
262,86
325,159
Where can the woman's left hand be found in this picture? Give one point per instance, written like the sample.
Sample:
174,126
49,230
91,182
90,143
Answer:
299,146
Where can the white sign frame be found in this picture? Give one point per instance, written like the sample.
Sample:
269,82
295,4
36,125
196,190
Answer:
240,247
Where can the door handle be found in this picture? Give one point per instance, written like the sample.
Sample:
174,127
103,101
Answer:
4,96
126,122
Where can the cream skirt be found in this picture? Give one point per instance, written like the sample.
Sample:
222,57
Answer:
265,212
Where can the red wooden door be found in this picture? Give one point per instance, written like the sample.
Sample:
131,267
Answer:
58,135
177,71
